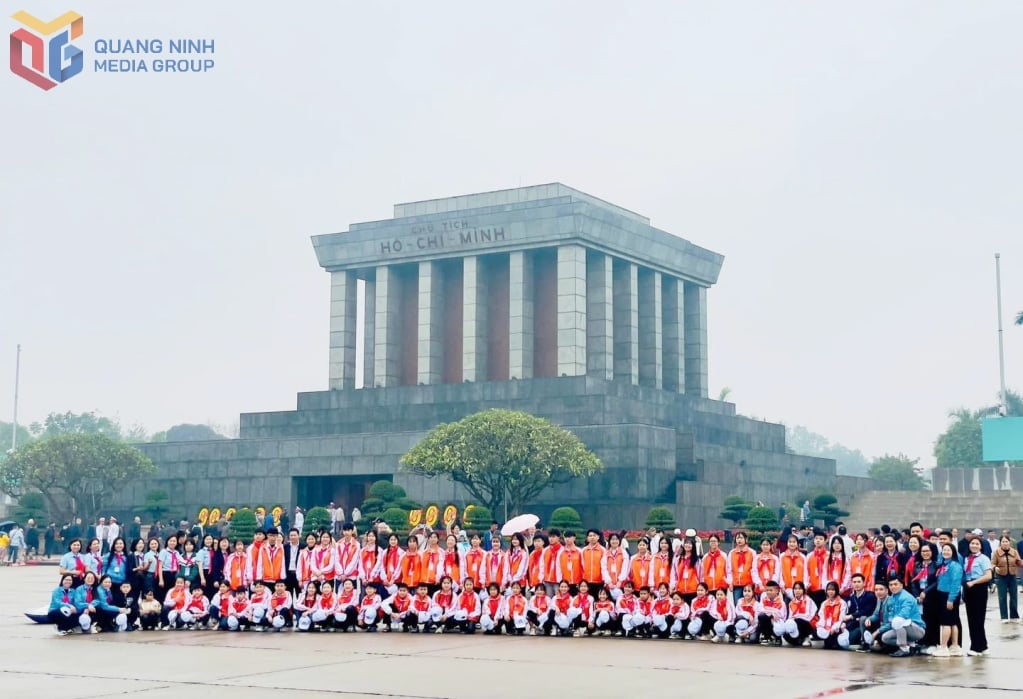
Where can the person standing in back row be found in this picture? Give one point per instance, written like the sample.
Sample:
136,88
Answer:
1005,561
976,576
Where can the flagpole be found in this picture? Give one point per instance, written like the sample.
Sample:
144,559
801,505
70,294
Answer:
17,376
1002,405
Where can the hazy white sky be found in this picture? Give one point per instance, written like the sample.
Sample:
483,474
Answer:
857,165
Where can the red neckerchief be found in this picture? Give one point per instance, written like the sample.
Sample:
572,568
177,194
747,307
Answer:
969,562
65,597
723,607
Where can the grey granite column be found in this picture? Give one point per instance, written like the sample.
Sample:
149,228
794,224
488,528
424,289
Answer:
520,315
369,322
674,365
571,310
474,321
343,309
696,339
626,322
387,331
431,323
650,339
599,315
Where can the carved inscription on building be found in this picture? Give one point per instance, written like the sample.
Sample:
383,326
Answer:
440,235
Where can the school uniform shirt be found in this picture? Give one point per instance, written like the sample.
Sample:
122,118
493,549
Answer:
645,606
723,610
662,606
470,603
553,570
221,603
346,567
370,603
714,568
204,558
411,568
198,606
626,604
803,608
517,566
239,608
562,603
773,608
151,559
453,564
346,600
445,601
539,604
189,566
766,567
74,561
679,612
888,566
433,566
537,567
862,562
660,569
495,569
605,606
472,564
170,561
686,576
370,565
304,566
593,561
515,605
399,604
323,563
701,605
326,602
259,600
570,565
816,570
236,573
793,569
105,601
116,566
61,598
390,565
639,570
176,599
614,567
422,604
746,609
305,604
837,571
278,603
975,566
94,562
253,553
492,607
584,603
85,597
271,564
740,567
830,614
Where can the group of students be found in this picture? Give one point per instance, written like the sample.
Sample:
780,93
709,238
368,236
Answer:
840,594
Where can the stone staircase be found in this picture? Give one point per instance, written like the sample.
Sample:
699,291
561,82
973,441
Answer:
1001,509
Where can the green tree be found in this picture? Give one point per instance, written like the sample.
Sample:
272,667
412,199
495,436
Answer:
24,437
57,424
1019,318
900,472
761,521
735,509
479,518
502,454
157,504
316,519
31,506
396,518
243,525
825,506
76,473
566,519
660,517
192,433
961,445
383,496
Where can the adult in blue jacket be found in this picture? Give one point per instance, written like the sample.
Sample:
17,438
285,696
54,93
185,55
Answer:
907,624
109,616
949,589
62,610
86,602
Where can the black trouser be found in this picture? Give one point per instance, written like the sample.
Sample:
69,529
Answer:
534,619
975,599
931,613
805,630
818,597
765,627
855,629
105,619
149,621
64,623
350,619
284,614
292,583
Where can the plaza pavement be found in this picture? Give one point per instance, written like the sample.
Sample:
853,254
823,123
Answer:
36,663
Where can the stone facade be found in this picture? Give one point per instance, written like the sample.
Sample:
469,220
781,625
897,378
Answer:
542,299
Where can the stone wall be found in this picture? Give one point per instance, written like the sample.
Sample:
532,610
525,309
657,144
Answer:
986,479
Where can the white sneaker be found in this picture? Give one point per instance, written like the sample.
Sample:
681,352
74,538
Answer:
955,651
1005,621
927,650
715,639
976,653
940,652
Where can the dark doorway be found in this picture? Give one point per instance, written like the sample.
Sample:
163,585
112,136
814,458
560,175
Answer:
346,491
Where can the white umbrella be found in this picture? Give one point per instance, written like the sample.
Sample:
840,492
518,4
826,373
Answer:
519,524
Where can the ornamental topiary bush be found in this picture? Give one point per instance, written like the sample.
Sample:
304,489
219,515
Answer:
316,519
566,519
243,525
661,518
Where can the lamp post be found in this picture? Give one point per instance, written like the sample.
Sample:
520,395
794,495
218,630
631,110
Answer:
17,376
1003,409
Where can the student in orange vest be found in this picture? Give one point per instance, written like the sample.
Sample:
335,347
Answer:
472,560
553,576
271,560
305,606
540,612
492,608
518,561
584,603
411,563
766,567
817,568
714,566
830,616
687,573
538,565
347,555
661,564
802,612
469,608
443,610
346,608
570,563
838,570
593,561
390,564
614,568
605,617
433,563
793,566
514,616
625,607
397,610
771,615
740,566
324,561
701,623
862,561
639,565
